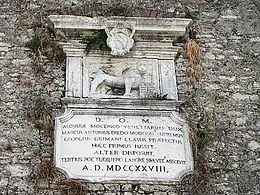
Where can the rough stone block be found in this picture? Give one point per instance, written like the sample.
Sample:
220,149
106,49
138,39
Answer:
110,193
160,193
172,193
210,56
4,144
95,187
126,187
128,193
241,121
19,170
112,187
147,188
240,97
161,187
253,145
230,78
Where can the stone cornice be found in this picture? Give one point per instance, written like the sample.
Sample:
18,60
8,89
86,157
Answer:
176,25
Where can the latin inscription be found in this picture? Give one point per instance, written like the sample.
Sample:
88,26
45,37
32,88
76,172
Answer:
123,147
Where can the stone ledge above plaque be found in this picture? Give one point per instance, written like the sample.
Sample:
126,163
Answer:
140,64
128,104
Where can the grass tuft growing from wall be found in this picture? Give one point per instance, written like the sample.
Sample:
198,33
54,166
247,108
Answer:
194,56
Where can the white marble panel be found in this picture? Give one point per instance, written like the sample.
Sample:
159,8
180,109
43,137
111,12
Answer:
85,78
74,77
168,79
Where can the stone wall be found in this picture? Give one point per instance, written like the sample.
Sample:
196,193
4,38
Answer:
222,107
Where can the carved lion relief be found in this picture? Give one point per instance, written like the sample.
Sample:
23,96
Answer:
106,80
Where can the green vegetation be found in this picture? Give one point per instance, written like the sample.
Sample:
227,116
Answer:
35,44
159,96
95,41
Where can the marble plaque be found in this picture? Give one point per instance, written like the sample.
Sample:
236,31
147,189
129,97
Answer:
105,145
121,120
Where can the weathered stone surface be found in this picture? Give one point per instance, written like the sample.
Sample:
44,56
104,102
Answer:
18,170
231,142
95,187
112,187
126,188
253,145
3,182
147,188
161,187
128,193
110,193
172,193
240,97
160,193
4,144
